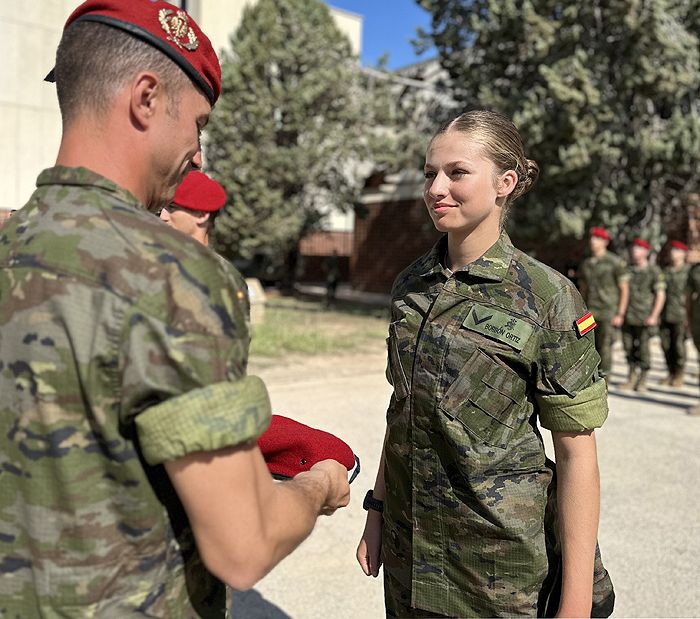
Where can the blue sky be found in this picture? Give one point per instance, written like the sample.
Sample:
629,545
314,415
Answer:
388,26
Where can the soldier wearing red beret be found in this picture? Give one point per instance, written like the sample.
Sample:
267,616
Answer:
193,210
132,484
673,323
647,296
604,281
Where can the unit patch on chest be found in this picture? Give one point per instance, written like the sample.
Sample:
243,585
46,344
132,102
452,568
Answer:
498,326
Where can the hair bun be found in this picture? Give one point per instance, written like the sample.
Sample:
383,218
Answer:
532,173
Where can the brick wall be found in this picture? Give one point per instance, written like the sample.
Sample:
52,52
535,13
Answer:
387,239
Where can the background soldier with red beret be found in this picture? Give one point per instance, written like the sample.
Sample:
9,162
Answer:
647,296
193,210
131,483
673,318
604,282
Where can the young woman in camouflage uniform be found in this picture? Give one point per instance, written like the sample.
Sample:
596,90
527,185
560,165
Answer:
484,343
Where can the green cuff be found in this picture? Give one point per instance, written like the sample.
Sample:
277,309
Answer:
206,419
588,409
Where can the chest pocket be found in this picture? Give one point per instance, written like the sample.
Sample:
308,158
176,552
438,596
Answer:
486,398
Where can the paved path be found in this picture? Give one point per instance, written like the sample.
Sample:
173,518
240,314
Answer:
649,453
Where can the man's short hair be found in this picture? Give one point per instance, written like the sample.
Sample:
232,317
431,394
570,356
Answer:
94,60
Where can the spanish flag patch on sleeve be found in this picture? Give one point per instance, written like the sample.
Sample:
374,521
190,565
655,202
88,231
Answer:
585,324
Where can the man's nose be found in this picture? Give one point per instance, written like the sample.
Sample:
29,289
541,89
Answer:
197,160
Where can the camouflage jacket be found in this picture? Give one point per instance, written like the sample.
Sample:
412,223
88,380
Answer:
476,357
676,287
645,282
600,280
694,300
123,345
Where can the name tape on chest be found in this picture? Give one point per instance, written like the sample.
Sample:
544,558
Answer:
585,324
498,326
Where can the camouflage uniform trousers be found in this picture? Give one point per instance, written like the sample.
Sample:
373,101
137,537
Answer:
673,344
635,339
604,339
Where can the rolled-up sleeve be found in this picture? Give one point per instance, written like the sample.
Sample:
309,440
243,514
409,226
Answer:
570,395
183,359
205,419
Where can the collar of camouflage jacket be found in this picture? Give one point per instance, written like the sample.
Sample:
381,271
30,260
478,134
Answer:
61,175
492,266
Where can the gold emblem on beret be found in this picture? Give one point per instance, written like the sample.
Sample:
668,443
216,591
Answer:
178,28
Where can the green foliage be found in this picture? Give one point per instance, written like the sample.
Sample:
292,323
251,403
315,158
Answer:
295,131
605,93
285,127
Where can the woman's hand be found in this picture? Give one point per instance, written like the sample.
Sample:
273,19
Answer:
369,551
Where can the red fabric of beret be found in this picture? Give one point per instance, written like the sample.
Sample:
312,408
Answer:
641,243
164,26
290,447
198,192
601,233
679,245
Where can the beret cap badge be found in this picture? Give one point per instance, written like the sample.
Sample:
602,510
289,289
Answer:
177,28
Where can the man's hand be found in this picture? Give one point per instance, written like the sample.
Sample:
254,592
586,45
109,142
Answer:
338,488
617,320
651,321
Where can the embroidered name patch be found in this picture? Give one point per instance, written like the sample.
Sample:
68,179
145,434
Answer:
585,324
498,326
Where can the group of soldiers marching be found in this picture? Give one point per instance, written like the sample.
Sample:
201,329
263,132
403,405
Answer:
641,299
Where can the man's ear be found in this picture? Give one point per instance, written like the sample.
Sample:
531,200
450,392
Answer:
146,96
507,183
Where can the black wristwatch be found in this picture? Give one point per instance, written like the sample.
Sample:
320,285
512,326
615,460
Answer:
371,503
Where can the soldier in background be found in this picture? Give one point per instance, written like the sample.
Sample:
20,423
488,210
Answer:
131,482
193,210
603,279
646,300
693,312
672,328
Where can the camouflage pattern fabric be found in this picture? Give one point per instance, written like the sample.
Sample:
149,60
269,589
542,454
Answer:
644,283
694,296
124,345
676,288
475,358
600,278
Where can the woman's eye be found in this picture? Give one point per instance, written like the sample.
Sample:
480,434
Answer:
458,172
429,175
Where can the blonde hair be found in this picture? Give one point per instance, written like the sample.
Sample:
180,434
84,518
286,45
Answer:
502,145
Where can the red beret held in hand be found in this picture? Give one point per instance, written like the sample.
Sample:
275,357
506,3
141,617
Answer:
290,447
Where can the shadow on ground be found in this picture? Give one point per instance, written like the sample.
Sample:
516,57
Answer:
251,605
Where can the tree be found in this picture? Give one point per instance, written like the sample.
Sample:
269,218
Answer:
605,94
294,132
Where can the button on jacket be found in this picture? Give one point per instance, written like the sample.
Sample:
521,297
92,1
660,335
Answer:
476,358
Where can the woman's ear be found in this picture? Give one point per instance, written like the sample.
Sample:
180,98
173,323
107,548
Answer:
507,183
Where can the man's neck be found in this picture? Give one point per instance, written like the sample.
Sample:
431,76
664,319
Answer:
105,155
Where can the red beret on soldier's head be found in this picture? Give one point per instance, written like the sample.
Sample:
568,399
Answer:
198,192
290,447
679,245
601,233
642,243
164,26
